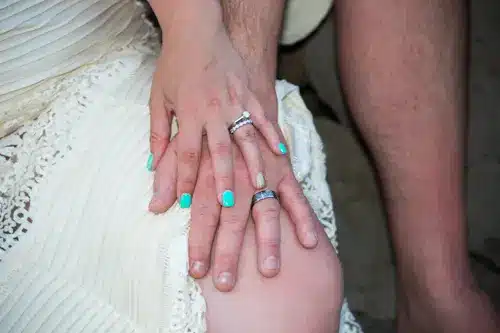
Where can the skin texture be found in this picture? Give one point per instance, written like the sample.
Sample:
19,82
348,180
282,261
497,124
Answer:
184,84
403,69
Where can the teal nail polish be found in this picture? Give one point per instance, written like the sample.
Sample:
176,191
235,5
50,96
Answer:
149,163
185,200
228,198
282,148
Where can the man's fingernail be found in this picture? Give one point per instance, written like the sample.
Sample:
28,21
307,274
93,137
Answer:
197,267
149,163
261,182
185,200
225,278
271,263
227,198
282,148
311,238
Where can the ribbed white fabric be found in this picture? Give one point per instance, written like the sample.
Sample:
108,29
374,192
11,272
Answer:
79,251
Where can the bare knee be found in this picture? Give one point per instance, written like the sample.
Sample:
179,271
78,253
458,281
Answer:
304,298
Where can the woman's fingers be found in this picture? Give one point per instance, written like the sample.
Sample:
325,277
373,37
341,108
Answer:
266,215
246,139
221,152
160,121
292,199
204,218
266,127
165,180
188,161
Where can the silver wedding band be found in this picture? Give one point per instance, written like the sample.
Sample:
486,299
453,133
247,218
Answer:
262,195
243,120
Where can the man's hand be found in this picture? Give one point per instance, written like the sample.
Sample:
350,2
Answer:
218,232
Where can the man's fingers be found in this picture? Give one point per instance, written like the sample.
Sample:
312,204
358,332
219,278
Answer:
165,180
266,215
230,235
205,215
295,203
160,121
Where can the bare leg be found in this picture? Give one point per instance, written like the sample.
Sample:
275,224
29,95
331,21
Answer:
304,298
403,69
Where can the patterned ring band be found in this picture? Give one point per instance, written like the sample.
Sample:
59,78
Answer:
234,127
262,195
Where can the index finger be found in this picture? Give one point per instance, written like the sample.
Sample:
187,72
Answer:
232,228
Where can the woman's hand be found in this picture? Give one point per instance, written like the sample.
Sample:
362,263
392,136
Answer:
218,232
202,80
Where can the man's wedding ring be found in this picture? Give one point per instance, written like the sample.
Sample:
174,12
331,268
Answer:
243,120
262,195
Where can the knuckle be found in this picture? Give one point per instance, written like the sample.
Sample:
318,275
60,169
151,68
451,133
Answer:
269,242
267,214
189,156
208,216
199,250
222,148
247,135
226,258
234,223
157,137
225,179
187,182
214,103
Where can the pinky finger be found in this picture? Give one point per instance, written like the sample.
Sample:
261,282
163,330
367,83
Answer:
160,121
165,181
266,127
301,214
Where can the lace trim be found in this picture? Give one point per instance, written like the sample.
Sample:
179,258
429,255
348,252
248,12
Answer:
29,154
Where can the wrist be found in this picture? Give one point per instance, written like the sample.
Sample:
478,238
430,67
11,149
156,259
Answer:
186,17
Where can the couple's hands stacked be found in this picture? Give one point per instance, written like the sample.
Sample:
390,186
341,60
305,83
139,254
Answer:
204,81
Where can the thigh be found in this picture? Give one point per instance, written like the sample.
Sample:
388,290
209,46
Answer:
304,298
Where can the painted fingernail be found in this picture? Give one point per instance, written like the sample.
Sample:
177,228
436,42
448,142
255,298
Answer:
228,198
149,163
311,238
225,278
185,200
282,148
261,182
197,267
271,263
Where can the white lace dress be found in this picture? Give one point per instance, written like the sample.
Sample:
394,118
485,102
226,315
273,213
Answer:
79,252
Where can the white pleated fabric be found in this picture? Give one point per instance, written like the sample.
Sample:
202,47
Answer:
79,252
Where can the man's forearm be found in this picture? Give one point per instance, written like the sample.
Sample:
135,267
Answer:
403,69
254,27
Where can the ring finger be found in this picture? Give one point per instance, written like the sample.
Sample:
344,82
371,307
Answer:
246,139
266,214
